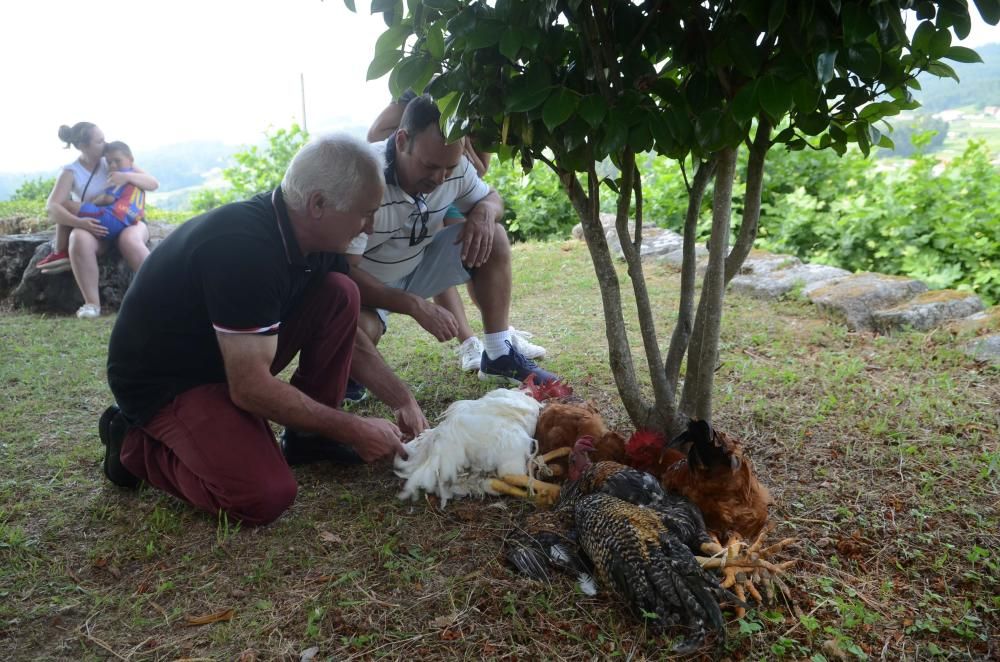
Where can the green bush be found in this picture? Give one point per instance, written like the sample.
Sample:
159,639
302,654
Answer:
938,223
536,206
34,189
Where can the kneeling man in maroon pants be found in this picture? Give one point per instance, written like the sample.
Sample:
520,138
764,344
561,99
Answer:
221,307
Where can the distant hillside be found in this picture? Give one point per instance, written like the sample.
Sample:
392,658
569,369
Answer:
980,84
182,165
177,166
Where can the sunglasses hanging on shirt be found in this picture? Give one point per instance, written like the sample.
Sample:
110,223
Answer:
423,212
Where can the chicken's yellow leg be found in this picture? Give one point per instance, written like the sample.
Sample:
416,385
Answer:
546,492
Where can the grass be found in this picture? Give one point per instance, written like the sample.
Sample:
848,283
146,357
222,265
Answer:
882,452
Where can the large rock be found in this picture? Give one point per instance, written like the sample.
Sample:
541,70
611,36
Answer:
759,263
928,311
985,348
856,298
778,282
16,251
57,293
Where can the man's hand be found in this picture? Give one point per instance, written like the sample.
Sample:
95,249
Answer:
436,320
379,439
476,237
410,420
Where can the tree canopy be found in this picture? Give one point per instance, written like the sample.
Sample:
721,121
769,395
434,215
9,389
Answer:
572,83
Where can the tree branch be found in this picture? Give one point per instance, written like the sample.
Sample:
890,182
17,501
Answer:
632,250
587,206
703,353
685,310
751,199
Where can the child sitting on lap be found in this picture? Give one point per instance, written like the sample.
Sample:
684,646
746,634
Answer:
118,207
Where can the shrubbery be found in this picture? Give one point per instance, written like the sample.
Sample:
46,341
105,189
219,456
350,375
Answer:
940,224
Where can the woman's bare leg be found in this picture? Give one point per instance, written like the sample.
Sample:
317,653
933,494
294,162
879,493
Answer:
83,250
132,245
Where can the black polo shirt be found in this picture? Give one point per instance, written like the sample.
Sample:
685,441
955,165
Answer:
236,269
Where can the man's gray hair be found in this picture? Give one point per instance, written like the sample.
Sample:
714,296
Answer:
338,165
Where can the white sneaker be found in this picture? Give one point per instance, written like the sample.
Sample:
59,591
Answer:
470,353
519,339
88,311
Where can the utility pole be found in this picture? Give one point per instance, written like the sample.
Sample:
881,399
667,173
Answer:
302,86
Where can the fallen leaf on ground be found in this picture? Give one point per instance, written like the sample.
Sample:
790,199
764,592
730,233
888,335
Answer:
444,621
226,615
326,536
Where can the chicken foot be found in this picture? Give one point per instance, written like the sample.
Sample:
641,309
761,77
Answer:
744,569
526,487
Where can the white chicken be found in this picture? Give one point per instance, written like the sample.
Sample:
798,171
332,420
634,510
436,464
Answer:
482,446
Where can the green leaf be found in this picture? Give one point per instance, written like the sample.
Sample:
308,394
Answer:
941,70
383,64
989,10
805,94
592,109
558,107
393,38
529,91
775,96
940,43
775,16
824,66
510,44
745,103
858,24
447,104
615,134
813,124
487,33
962,54
414,72
434,41
442,5
921,42
350,5
864,60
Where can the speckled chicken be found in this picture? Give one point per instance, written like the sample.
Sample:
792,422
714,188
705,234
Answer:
617,523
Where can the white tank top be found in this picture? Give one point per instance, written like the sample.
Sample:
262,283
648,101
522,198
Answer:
80,177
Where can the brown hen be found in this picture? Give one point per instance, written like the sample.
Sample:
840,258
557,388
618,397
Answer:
560,424
719,480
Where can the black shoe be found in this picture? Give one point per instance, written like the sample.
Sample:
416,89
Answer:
355,393
304,448
112,428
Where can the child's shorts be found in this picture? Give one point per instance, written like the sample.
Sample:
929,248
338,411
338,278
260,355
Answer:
105,217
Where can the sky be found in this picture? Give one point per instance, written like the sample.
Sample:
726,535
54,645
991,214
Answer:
156,73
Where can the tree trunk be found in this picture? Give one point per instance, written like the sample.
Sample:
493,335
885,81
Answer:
631,248
587,206
704,351
751,199
685,310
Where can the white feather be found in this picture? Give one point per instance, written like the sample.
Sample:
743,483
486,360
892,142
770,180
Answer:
476,440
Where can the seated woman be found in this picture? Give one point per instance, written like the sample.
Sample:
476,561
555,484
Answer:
78,239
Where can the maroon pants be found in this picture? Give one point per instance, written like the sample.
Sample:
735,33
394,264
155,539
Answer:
205,450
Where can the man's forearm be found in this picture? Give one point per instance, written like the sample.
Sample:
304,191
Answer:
369,368
286,405
376,295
